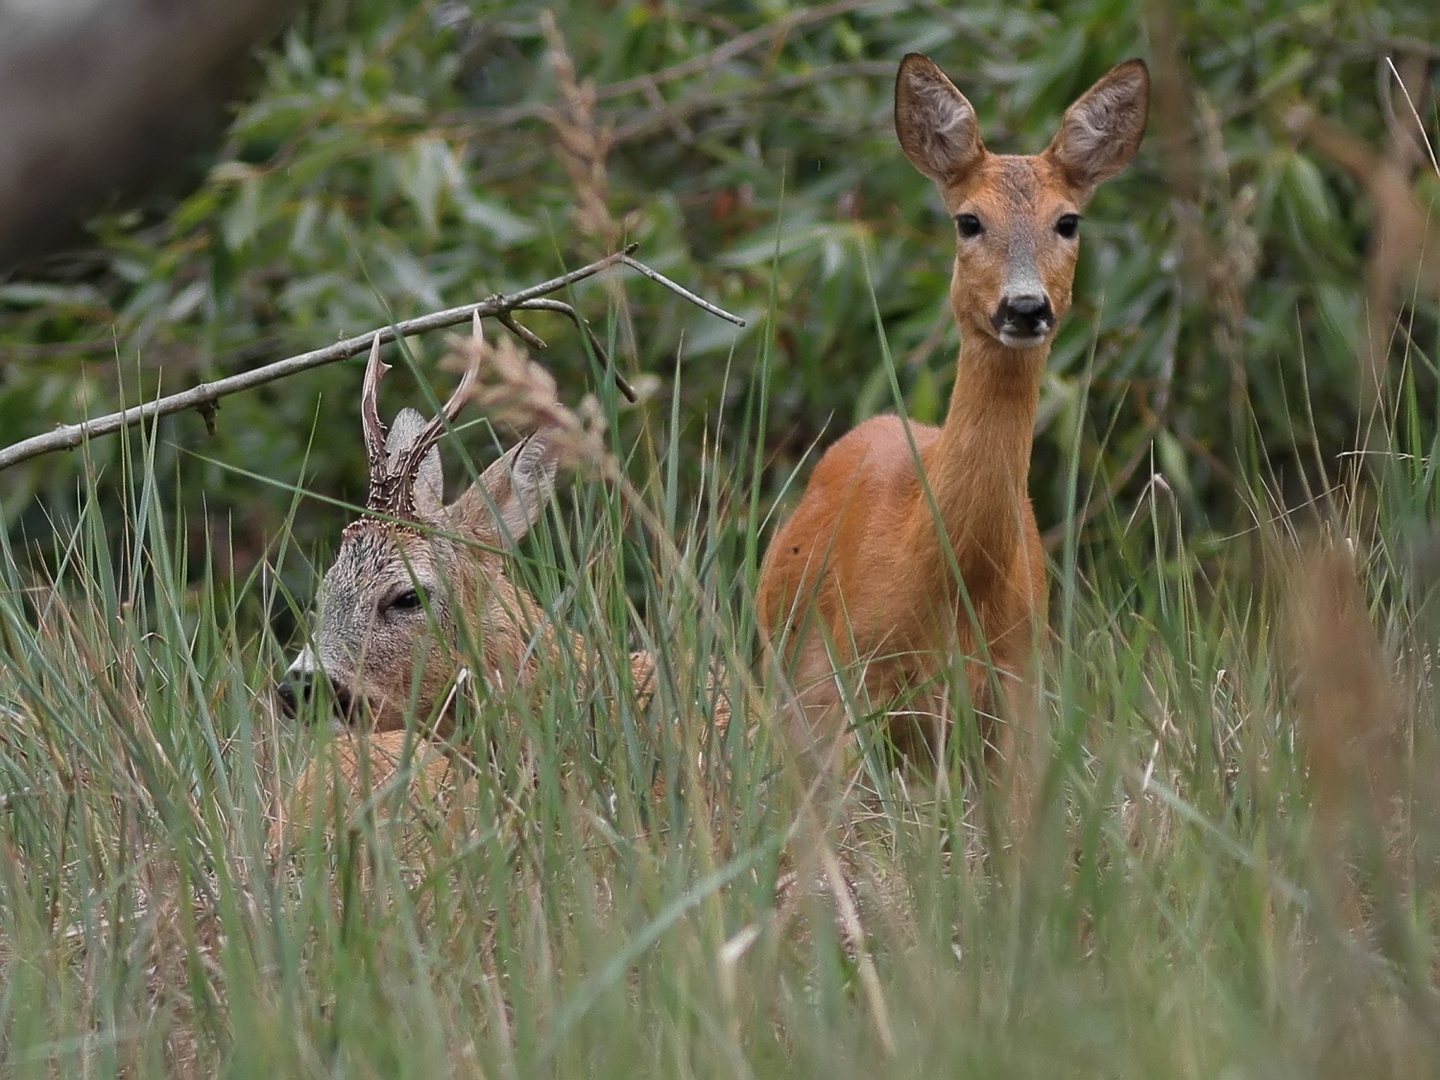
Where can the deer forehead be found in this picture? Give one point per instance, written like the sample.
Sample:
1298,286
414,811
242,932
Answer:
380,555
1013,192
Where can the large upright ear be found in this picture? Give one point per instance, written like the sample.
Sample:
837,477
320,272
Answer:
509,495
428,488
1102,130
933,121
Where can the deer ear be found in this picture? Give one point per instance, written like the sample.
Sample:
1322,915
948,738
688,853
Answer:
509,495
1102,130
935,124
428,488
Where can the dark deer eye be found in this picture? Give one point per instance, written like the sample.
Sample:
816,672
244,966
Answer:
1068,225
409,600
969,225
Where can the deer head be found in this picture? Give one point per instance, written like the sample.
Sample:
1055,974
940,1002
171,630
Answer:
1017,217
417,582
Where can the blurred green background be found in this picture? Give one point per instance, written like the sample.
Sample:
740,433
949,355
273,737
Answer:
386,159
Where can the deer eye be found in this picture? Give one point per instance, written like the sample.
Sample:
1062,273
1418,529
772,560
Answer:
1068,226
409,600
968,225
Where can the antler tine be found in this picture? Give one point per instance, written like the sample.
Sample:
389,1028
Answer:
451,409
409,463
472,374
373,426
375,370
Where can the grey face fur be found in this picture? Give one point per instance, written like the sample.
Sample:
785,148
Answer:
405,598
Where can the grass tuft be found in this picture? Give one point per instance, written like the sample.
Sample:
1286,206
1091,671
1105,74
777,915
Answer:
1239,875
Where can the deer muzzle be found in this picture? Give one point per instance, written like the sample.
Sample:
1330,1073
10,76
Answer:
1023,321
299,683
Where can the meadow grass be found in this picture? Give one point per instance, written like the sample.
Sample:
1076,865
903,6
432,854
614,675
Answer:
1232,873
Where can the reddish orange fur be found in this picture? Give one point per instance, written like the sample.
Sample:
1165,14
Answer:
858,580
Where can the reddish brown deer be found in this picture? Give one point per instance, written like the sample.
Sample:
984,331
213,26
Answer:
859,585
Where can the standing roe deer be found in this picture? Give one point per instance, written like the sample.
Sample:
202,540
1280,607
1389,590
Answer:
860,576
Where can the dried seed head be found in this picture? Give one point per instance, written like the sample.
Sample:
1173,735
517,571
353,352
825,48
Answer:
584,142
514,390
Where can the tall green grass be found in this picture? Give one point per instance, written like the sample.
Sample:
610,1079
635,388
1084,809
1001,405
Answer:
1185,918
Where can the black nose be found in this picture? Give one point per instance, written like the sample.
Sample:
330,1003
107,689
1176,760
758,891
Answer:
298,686
1028,315
292,690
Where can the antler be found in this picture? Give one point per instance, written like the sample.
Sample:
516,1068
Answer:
392,489
374,427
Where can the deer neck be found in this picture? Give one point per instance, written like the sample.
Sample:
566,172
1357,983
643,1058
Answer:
978,469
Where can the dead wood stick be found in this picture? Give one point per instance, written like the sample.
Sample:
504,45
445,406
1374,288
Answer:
204,396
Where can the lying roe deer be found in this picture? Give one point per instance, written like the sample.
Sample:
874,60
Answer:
393,770
419,590
860,577
414,575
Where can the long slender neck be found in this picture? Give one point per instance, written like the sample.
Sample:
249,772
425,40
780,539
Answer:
978,469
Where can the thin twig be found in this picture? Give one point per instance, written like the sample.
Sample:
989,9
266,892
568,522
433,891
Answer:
643,122
595,346
656,276
736,46
509,116
68,436
534,340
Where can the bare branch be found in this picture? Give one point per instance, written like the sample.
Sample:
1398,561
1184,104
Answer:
69,436
656,276
641,123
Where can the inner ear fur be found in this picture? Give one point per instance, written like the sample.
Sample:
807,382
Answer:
934,121
1102,129
508,497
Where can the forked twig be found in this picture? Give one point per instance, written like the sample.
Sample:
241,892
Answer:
661,279
501,307
549,304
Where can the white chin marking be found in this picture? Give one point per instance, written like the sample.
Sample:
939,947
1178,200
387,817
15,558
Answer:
1012,340
303,664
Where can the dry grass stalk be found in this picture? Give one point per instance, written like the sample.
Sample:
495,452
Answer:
1349,720
583,141
1403,252
514,390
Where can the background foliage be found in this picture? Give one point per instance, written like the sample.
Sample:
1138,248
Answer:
1235,873
395,158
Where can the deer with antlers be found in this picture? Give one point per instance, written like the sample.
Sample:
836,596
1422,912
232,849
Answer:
419,599
914,546
414,571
